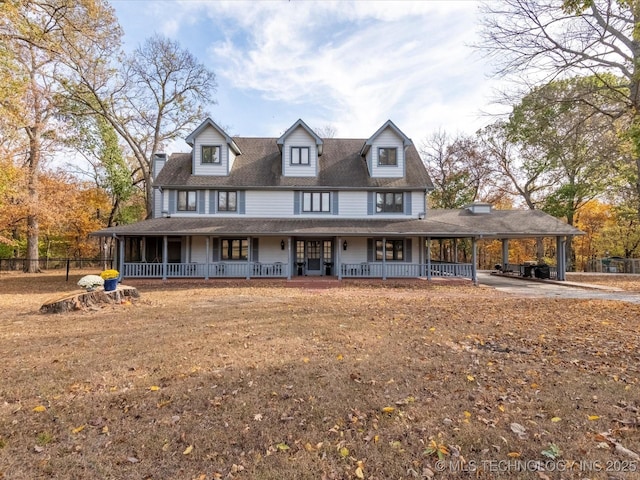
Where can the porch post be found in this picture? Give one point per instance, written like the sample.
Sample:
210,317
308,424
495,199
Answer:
505,254
384,258
121,255
339,257
474,259
165,253
421,255
144,249
207,243
290,260
428,258
249,258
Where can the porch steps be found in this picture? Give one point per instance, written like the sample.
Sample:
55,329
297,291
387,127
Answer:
315,283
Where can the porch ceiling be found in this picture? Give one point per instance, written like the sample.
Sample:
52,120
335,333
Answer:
437,224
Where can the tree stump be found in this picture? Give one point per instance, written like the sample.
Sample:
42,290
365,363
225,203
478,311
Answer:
81,300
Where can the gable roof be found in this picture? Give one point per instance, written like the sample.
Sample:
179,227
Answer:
300,123
210,123
406,141
260,165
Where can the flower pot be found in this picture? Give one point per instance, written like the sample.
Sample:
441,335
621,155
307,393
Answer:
110,285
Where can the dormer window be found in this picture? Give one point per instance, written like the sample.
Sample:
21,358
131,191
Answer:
387,156
210,154
299,155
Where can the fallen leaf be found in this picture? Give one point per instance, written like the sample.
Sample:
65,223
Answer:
470,378
359,472
39,408
132,460
519,430
283,447
344,452
339,357
556,419
78,429
388,409
257,417
513,454
154,388
594,417
188,450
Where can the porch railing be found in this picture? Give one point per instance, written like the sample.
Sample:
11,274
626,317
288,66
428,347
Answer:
406,270
204,270
280,270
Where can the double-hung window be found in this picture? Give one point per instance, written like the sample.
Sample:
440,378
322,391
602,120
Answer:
389,202
393,250
210,154
299,155
187,200
316,202
235,249
387,156
227,201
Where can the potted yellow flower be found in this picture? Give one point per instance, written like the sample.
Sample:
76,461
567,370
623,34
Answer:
110,278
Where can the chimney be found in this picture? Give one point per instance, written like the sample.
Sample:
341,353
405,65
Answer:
159,160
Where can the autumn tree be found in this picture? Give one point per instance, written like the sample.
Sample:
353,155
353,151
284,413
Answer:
546,40
41,39
457,169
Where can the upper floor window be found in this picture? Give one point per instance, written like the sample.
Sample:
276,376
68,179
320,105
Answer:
389,202
299,155
187,200
387,156
393,250
316,202
227,201
235,249
210,154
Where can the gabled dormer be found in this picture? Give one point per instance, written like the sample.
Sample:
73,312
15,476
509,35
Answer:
300,148
385,150
213,150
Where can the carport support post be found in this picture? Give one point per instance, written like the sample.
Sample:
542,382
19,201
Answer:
474,259
561,266
505,254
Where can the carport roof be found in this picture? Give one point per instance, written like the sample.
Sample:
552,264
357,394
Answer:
438,224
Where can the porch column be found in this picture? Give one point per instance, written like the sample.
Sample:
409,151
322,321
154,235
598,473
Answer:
455,250
474,259
249,258
384,258
165,254
421,255
428,258
505,254
143,254
290,259
121,256
207,248
339,257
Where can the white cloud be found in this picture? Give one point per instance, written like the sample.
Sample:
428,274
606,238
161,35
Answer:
350,64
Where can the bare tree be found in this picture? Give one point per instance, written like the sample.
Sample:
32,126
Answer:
546,40
160,92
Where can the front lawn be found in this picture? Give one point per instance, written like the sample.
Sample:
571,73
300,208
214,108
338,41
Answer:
208,380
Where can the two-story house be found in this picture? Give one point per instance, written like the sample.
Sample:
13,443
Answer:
301,205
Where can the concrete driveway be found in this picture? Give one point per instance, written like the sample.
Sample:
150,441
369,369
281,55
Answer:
551,289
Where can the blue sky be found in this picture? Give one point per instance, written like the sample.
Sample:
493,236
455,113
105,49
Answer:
351,65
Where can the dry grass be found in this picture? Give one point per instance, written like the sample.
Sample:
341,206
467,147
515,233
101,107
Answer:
630,283
260,381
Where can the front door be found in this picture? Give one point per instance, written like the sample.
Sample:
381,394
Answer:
314,257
